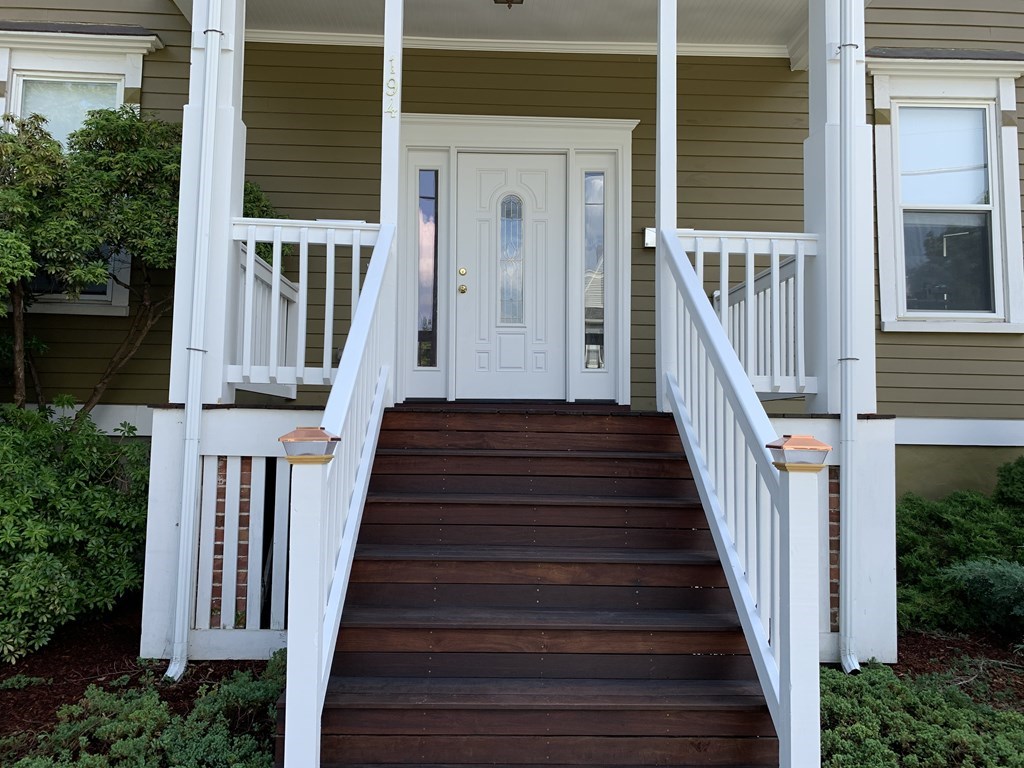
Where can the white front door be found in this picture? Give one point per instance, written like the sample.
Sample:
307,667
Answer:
510,264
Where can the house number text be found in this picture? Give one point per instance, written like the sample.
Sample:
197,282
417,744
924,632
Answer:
391,90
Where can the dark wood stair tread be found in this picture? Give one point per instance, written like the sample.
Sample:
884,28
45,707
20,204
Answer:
545,618
532,499
533,693
575,453
484,553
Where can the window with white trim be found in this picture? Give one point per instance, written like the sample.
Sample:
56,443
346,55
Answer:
62,72
948,195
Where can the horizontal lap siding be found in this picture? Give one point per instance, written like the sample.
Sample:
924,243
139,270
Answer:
933,375
78,347
313,118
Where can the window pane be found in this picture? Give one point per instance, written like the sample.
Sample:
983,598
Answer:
593,270
511,260
426,316
943,156
949,261
65,103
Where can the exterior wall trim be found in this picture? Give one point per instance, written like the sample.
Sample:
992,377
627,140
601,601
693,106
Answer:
988,433
534,46
79,43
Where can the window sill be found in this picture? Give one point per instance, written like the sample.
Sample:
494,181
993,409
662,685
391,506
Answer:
77,308
936,325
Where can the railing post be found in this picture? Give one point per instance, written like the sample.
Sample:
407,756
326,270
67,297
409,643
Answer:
800,459
309,452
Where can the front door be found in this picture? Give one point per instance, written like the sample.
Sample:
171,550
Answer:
510,264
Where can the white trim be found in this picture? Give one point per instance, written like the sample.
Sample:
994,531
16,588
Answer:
944,68
295,37
987,433
81,44
439,136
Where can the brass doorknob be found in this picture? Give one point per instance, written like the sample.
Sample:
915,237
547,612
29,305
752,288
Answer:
463,289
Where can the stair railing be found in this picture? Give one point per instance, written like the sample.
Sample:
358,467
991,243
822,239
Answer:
327,503
763,520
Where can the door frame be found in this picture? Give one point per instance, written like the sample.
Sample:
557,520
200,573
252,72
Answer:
434,142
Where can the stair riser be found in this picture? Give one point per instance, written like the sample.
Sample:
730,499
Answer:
530,423
536,536
571,664
487,722
678,488
527,512
412,463
565,750
599,574
528,441
533,596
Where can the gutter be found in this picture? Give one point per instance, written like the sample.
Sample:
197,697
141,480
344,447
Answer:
196,352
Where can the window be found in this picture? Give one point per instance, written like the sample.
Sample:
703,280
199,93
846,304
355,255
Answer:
62,71
949,206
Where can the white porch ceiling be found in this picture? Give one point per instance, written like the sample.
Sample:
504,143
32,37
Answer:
763,27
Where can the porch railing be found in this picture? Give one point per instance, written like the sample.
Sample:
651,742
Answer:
327,503
762,277
290,329
766,543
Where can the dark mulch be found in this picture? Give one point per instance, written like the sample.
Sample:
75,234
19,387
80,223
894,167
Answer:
97,651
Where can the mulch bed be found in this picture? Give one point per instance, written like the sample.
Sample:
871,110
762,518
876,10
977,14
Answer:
97,651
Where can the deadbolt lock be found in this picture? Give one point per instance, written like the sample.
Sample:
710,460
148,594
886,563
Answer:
462,271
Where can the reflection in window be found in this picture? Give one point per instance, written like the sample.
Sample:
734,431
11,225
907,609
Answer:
593,269
511,260
426,314
65,103
946,208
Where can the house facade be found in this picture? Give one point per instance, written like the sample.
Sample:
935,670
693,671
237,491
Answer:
863,266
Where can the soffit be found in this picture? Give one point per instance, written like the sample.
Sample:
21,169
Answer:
625,25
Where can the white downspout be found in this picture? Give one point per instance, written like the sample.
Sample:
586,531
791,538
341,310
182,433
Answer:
847,350
196,348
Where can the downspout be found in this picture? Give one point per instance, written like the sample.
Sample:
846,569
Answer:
196,348
847,346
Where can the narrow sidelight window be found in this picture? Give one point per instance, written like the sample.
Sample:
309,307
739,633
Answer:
426,315
593,269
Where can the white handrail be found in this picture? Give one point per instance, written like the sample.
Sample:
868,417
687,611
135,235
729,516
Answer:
327,504
276,330
725,429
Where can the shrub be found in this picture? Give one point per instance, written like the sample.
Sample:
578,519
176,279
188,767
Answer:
72,520
991,593
1010,484
876,720
230,726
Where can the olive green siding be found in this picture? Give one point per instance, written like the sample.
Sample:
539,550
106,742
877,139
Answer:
935,471
313,117
966,375
79,346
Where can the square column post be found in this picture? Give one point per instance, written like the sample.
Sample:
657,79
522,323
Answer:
823,211
391,115
666,193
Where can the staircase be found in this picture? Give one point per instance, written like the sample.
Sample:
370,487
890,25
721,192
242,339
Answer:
538,588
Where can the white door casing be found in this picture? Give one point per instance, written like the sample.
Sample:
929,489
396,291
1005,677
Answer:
510,303
442,145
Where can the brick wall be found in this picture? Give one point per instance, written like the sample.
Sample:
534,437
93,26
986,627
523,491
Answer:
833,548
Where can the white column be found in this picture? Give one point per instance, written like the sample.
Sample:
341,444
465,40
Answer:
823,206
212,172
799,729
391,117
666,193
306,599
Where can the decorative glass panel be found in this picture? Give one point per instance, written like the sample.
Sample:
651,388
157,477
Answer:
593,269
426,315
510,259
65,103
949,261
943,156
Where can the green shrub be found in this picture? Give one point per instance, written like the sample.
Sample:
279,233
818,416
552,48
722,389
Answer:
876,720
1010,484
72,522
991,593
230,726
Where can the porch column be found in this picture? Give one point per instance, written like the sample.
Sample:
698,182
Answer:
391,116
666,193
825,191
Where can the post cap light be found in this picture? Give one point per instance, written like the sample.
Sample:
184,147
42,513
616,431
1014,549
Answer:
309,445
799,453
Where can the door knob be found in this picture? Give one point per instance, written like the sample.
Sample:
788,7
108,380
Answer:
463,289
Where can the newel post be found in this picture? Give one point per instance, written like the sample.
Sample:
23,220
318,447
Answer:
800,459
309,450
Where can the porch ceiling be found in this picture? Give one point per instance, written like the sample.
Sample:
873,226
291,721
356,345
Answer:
619,26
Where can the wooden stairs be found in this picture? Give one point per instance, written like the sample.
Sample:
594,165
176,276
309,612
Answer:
538,588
